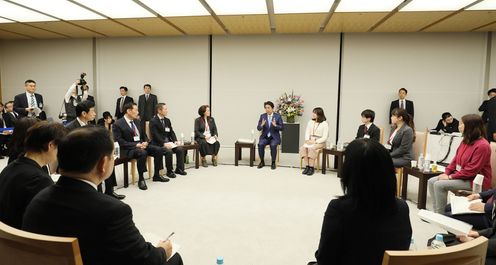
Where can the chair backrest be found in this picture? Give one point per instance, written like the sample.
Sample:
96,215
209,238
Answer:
493,164
19,247
469,253
381,135
420,144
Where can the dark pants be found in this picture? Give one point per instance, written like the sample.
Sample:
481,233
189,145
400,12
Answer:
273,147
208,149
110,183
479,221
140,156
179,158
175,260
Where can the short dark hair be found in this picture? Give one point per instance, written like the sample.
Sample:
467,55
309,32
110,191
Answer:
369,114
127,106
320,114
403,89
268,103
81,149
84,106
473,128
15,146
42,133
368,178
202,110
9,102
123,87
147,85
159,107
445,115
1,104
492,90
29,81
106,115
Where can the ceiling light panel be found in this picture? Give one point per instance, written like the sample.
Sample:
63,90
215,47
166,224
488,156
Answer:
238,7
436,5
484,5
177,8
17,13
117,8
62,9
302,6
368,5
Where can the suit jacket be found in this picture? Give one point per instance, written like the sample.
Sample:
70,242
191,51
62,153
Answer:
73,125
490,110
274,130
374,132
402,143
118,113
146,108
200,127
396,104
10,119
124,135
20,181
103,225
159,134
343,234
483,108
21,103
449,128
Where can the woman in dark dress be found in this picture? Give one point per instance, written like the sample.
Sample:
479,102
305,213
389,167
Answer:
206,135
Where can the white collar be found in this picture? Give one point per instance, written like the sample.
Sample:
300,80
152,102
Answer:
88,182
160,117
81,122
368,126
29,94
127,120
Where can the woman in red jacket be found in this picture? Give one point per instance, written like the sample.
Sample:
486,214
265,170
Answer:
472,157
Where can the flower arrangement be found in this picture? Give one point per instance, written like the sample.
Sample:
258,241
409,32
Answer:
289,106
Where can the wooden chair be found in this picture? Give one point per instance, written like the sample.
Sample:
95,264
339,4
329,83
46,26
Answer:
23,248
420,144
381,135
399,180
470,253
317,160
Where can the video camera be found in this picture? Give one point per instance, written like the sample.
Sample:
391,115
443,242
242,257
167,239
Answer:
82,85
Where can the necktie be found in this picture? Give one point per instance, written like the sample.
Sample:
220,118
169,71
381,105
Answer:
122,104
365,130
402,104
15,114
146,97
163,122
33,102
269,124
134,128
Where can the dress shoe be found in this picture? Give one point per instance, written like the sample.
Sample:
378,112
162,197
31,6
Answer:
214,162
180,172
273,165
204,163
142,185
311,171
307,168
261,165
171,175
160,179
117,196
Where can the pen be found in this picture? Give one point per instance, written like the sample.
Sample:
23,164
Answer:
169,236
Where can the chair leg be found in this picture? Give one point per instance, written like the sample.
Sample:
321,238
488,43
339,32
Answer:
399,181
149,166
133,171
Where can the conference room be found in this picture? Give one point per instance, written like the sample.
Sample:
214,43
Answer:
214,63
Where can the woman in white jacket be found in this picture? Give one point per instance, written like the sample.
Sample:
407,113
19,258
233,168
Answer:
316,136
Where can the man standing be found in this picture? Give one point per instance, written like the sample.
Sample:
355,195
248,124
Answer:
10,116
29,103
71,99
490,94
164,136
133,143
72,207
402,103
147,103
489,108
123,100
270,124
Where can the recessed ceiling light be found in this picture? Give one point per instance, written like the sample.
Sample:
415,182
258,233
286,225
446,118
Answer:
17,13
238,7
302,6
436,5
368,5
177,8
60,8
117,8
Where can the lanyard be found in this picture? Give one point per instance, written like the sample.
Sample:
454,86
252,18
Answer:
207,128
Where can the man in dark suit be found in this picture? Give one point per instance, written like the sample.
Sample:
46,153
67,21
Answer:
147,103
402,103
85,112
10,116
133,143
123,100
270,124
491,93
368,128
490,115
73,208
164,136
22,179
26,103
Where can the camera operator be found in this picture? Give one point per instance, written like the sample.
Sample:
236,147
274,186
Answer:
72,98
